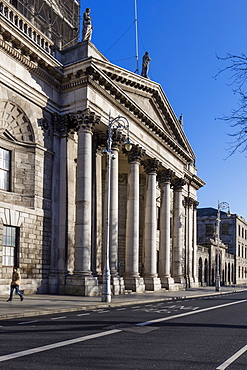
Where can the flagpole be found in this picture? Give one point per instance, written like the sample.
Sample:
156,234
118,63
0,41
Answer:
136,24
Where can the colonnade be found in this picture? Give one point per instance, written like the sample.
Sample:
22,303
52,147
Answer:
173,268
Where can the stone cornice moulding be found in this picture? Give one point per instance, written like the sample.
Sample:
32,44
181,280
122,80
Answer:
194,181
30,65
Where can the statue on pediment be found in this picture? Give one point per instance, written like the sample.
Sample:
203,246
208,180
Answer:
145,64
87,26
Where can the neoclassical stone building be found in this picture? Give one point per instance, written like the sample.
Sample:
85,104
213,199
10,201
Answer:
233,247
56,103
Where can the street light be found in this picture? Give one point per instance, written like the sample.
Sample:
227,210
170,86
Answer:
120,124
221,206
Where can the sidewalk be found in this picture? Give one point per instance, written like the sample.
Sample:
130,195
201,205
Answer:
42,304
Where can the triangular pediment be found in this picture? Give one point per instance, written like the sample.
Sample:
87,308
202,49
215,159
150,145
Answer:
148,105
146,100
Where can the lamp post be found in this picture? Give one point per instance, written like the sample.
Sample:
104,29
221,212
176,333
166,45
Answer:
121,125
221,206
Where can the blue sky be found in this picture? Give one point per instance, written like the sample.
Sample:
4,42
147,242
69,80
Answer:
183,38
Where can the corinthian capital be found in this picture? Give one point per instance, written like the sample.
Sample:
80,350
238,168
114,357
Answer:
178,183
135,154
151,165
83,119
188,202
165,175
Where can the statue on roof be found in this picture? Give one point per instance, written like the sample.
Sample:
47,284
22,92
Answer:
145,64
87,26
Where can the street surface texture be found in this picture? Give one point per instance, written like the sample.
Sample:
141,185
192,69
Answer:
197,333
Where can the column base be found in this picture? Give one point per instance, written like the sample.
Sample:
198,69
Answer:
167,282
152,283
179,280
136,284
82,285
118,286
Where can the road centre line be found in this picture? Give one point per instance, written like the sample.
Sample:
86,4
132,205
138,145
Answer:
56,345
109,332
232,358
189,313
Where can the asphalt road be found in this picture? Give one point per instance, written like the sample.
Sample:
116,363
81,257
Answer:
197,333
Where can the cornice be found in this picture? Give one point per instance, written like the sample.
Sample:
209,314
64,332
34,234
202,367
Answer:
194,181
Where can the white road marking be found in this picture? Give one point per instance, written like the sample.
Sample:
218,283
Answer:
189,313
120,309
27,322
58,318
83,314
104,311
56,345
232,358
114,331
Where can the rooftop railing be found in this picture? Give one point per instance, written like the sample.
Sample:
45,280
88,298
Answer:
15,18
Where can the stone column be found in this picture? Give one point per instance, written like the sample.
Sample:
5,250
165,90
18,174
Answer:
82,282
117,282
58,268
132,278
188,203
164,178
195,270
177,273
152,282
97,204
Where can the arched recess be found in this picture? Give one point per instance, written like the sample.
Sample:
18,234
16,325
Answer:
14,123
200,270
206,271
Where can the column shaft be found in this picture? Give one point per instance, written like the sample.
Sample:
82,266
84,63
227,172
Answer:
152,282
113,238
178,233
195,271
132,278
83,203
132,224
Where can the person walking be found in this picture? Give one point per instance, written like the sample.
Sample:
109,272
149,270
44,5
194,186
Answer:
15,284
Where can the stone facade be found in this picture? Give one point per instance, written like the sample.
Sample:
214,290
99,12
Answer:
55,110
233,248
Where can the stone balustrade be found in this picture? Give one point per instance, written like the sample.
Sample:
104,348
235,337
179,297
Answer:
15,18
